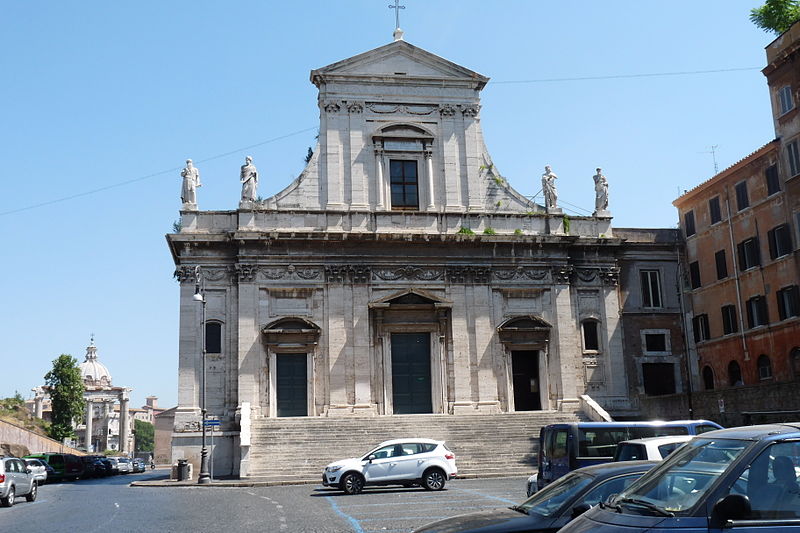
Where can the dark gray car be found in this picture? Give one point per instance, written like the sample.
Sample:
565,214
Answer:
16,479
552,507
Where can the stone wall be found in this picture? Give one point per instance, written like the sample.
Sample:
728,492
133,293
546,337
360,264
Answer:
741,405
15,435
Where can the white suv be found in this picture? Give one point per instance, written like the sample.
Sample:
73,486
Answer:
406,462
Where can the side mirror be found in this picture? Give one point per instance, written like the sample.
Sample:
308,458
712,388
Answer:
28,469
371,457
731,507
580,509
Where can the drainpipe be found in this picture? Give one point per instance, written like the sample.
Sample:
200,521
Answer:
735,258
682,304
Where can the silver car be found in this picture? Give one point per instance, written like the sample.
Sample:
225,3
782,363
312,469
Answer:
38,470
16,479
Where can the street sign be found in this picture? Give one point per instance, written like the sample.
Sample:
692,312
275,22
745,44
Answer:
209,423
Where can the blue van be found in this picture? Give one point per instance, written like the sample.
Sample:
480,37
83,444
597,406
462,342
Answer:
738,480
566,447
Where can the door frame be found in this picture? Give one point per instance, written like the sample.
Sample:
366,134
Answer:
437,353
272,365
544,375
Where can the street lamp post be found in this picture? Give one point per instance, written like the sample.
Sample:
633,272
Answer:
200,296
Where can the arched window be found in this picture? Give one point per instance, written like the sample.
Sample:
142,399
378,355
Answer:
591,337
708,378
213,337
734,374
794,362
764,367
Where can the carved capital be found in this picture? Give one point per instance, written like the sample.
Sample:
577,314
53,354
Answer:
428,153
348,273
562,274
355,107
610,276
331,107
246,273
447,110
184,273
470,110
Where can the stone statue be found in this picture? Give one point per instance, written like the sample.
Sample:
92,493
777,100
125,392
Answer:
549,188
600,192
191,180
249,179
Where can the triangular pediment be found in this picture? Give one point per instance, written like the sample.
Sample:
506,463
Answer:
398,59
411,297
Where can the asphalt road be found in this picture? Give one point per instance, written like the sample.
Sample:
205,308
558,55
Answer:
111,505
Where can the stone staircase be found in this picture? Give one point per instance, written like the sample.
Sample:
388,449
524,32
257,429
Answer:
295,450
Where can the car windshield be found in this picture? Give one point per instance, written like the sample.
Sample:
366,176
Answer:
682,479
549,500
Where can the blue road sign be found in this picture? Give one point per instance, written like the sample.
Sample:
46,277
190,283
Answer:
211,423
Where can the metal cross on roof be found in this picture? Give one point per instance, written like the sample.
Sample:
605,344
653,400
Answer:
397,7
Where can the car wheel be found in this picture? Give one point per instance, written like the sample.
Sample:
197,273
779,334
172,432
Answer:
352,483
433,479
8,501
31,496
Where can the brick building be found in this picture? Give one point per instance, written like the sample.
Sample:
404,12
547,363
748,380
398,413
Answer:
741,262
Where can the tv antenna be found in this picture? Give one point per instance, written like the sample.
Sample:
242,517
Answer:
713,152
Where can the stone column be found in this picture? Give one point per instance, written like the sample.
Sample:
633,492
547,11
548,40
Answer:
331,137
471,159
566,355
38,401
251,356
451,180
357,159
429,169
124,431
89,416
380,186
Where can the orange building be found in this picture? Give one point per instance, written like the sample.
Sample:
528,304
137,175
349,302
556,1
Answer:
742,266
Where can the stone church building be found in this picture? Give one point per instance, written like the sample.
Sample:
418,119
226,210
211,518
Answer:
400,273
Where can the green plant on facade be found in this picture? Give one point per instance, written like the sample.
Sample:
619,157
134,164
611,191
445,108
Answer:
498,203
489,231
566,224
499,181
176,226
465,231
518,232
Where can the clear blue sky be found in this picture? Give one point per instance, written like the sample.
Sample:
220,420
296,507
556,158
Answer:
96,94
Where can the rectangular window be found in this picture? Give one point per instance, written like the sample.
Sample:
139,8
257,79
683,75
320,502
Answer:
590,338
658,378
651,288
780,241
789,302
729,322
404,184
688,221
714,210
748,253
785,100
742,200
773,182
655,342
694,274
757,312
722,264
701,329
794,158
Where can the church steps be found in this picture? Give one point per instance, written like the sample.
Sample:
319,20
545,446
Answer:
295,450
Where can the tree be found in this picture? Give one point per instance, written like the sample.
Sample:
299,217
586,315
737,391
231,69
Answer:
776,15
144,435
65,387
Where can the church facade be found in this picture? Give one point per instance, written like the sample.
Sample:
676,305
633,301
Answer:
400,273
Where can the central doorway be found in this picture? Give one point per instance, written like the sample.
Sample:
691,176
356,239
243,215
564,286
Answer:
411,373
525,366
292,384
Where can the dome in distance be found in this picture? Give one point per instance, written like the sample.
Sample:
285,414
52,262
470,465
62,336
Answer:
93,372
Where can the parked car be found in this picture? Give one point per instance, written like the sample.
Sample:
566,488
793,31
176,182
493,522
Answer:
406,462
48,468
565,447
92,466
552,507
108,466
740,479
124,465
65,465
137,465
16,479
651,448
38,469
